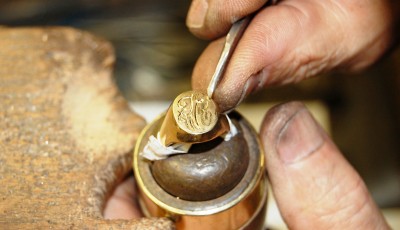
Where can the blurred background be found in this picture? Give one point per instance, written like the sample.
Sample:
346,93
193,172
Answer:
156,53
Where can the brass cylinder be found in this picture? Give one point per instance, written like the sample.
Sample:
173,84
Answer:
243,207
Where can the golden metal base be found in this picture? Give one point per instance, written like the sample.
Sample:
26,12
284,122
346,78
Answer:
241,208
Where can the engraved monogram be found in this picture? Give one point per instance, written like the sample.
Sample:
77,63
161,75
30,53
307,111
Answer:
195,112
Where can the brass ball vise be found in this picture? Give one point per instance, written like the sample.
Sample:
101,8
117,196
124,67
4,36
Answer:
218,184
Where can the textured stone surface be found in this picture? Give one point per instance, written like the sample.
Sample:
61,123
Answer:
66,134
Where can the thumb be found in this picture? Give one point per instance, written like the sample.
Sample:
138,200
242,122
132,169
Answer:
315,187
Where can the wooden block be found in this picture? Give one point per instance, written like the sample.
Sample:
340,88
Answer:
66,134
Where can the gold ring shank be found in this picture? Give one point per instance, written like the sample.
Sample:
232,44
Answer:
170,133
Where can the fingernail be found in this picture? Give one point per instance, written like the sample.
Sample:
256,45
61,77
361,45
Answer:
253,84
197,13
299,137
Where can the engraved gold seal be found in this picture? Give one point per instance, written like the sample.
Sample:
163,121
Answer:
192,118
195,112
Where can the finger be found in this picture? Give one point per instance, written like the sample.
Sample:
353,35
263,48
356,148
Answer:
213,18
292,41
266,39
315,187
122,204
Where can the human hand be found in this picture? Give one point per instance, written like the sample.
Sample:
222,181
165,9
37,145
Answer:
288,42
314,186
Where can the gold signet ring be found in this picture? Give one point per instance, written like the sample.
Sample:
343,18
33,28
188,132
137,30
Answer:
193,117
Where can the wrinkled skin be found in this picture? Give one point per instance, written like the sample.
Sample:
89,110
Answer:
289,42
315,187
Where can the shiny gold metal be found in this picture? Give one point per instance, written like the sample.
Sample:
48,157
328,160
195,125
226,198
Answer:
243,207
195,112
192,118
